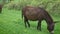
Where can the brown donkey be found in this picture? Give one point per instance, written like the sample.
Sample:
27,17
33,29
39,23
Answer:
1,6
37,13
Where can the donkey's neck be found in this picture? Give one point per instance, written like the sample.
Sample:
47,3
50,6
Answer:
48,19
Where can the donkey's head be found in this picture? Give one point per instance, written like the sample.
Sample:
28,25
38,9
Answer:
51,27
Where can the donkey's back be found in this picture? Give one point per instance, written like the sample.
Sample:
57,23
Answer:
34,13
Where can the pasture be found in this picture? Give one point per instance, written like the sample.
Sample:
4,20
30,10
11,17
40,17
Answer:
11,22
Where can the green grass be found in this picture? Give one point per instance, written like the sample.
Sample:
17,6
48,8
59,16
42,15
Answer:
11,23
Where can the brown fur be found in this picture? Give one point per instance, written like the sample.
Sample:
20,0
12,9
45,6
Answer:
1,8
37,13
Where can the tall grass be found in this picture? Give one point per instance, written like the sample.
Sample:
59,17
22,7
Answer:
52,6
12,23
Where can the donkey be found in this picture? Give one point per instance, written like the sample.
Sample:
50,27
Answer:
1,6
38,14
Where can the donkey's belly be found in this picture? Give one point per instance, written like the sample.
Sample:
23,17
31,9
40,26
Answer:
32,15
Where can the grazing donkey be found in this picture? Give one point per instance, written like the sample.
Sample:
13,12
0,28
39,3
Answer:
1,8
38,13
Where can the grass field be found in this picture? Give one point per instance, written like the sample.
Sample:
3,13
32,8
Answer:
11,23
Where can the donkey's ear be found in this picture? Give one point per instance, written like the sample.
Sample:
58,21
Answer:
56,21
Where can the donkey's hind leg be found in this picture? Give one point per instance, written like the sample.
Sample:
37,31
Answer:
26,22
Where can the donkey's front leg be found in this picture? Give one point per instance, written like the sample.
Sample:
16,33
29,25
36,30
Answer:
39,26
